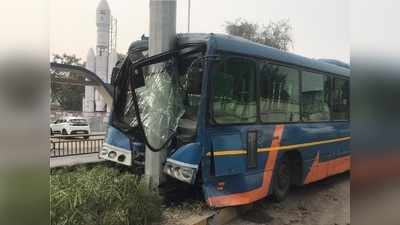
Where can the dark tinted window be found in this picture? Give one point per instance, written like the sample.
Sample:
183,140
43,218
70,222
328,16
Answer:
315,97
340,99
279,94
234,85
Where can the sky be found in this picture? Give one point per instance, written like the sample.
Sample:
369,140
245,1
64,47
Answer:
320,28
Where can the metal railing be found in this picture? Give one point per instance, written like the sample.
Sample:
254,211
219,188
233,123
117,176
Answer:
69,145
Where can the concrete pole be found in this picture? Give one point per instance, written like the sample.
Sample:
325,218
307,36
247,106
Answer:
189,8
162,38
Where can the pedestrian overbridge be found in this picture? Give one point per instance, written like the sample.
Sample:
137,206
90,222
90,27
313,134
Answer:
90,79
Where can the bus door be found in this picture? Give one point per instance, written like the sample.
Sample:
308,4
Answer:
340,113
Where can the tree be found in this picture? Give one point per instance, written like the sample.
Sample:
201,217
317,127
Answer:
65,87
275,34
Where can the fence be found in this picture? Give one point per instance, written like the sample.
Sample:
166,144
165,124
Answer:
69,145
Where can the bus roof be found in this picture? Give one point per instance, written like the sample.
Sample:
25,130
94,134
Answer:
243,46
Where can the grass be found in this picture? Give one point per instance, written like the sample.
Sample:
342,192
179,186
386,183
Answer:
101,196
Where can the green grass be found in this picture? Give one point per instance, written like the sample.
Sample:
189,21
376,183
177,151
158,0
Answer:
101,196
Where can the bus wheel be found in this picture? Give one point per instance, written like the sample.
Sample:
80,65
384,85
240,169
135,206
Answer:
282,180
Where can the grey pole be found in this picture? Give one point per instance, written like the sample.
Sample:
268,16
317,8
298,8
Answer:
189,6
162,37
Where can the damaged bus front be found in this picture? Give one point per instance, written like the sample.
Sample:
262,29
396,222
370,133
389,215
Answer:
159,96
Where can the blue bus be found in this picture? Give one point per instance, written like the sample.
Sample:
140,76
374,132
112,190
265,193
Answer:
246,120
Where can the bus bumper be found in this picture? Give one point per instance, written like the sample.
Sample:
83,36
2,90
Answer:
118,148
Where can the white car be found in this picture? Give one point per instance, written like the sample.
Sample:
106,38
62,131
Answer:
70,126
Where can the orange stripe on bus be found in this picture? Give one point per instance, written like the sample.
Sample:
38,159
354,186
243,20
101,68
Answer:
258,193
320,170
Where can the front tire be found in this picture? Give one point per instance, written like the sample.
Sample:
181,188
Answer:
282,180
64,132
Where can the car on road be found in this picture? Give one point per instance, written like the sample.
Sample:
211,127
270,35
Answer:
70,126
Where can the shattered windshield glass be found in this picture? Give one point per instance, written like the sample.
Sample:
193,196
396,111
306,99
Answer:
159,101
168,99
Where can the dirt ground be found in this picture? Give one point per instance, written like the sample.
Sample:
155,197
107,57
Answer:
326,202
323,203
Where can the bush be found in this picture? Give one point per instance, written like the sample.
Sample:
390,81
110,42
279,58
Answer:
101,196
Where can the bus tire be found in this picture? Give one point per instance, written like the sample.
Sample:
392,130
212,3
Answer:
282,179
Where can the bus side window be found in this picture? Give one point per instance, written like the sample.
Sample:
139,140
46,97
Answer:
340,104
315,97
234,99
279,94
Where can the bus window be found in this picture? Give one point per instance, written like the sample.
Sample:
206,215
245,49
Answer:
315,97
234,91
191,70
191,80
279,94
340,104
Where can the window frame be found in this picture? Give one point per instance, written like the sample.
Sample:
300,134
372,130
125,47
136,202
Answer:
330,88
348,108
258,59
302,69
259,88
224,56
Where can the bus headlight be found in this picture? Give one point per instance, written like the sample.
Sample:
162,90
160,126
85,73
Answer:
185,174
112,155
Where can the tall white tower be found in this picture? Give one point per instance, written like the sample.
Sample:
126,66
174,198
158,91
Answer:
103,22
104,59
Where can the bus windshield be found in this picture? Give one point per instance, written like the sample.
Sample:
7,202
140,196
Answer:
167,96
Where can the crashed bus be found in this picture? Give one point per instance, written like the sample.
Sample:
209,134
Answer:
240,119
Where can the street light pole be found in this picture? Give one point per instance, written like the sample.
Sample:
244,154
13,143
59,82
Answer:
161,39
189,16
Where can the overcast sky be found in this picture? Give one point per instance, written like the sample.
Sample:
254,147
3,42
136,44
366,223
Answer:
320,28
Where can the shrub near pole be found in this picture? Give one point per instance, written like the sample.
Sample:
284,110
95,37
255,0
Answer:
101,196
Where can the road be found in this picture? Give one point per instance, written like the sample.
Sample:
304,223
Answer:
323,203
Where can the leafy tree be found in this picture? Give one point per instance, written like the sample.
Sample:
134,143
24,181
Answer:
67,59
275,34
67,88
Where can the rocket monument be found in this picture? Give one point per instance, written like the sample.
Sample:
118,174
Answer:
102,61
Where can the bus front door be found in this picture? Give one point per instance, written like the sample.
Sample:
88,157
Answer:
242,163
